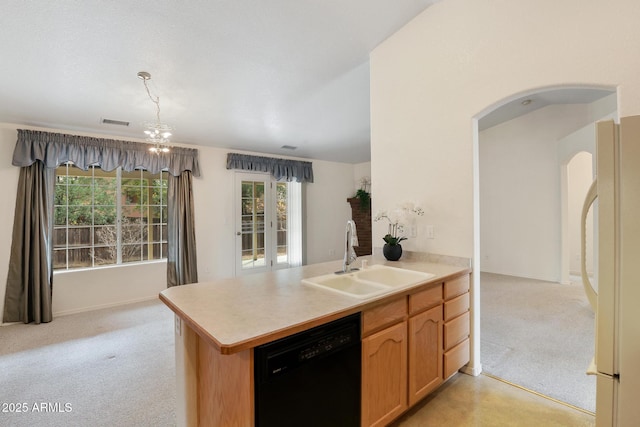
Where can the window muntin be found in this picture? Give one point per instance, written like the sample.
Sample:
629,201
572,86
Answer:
107,218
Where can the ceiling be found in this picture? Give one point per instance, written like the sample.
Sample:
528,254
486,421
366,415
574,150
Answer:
242,74
526,104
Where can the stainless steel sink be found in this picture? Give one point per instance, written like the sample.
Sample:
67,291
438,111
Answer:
375,280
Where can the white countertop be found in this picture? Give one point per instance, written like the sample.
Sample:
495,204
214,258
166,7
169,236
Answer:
239,313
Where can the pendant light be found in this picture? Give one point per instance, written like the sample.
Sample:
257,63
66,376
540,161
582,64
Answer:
157,133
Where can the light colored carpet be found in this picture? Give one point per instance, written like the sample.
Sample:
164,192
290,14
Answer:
539,335
112,367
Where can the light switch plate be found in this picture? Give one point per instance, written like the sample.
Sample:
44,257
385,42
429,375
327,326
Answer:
429,230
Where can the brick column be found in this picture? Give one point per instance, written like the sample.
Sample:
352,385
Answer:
362,218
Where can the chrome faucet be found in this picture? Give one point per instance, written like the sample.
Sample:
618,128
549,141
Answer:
351,240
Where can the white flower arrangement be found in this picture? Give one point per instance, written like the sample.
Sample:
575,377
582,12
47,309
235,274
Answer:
397,219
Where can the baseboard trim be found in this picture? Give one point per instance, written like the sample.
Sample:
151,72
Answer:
474,371
102,306
9,323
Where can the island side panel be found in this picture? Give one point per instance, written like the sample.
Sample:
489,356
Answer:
186,352
225,387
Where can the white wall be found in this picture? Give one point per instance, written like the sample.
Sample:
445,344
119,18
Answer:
360,171
580,141
579,177
520,191
9,179
461,58
327,213
327,210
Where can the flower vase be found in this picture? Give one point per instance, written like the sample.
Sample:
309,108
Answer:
392,252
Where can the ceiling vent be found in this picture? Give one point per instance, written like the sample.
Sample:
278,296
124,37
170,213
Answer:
114,122
288,147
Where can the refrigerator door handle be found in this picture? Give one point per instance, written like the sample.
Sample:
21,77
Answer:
592,296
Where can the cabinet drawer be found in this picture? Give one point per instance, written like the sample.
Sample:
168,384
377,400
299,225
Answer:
425,299
456,330
384,315
456,358
456,306
455,287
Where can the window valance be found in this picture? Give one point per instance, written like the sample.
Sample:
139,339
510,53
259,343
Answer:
280,169
54,149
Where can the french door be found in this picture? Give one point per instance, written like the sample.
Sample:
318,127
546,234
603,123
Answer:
268,218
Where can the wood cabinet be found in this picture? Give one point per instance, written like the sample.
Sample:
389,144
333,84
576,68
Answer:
425,353
412,345
456,325
384,379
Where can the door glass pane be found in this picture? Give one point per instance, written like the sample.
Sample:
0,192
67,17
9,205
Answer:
281,218
253,224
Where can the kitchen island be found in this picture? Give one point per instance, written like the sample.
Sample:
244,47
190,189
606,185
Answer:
218,324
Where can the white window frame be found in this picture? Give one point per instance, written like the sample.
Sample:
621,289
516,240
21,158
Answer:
119,208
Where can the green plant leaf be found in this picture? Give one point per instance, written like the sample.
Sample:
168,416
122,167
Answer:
364,198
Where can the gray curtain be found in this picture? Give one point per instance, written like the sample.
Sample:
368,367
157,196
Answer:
54,149
30,278
280,169
181,234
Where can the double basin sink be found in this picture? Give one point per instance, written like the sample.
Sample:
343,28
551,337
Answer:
372,281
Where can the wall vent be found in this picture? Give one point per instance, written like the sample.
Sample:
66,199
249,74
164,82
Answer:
114,122
288,147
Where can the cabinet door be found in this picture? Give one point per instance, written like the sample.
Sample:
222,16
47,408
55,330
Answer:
425,353
384,375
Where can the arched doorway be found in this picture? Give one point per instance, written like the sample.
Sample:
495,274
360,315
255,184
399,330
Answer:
531,244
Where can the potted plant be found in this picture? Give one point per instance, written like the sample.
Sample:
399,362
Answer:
363,195
392,249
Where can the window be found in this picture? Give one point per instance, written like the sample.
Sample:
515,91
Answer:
107,218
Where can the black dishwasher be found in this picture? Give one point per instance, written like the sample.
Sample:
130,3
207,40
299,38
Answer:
311,378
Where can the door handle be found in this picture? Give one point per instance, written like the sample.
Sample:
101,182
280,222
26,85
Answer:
238,233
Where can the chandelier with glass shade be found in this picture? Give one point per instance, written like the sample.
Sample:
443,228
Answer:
157,133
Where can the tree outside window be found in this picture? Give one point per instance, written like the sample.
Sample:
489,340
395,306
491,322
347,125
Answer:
106,218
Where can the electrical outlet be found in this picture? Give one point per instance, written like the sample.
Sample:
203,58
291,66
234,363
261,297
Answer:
178,326
430,234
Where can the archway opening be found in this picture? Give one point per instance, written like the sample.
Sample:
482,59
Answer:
524,188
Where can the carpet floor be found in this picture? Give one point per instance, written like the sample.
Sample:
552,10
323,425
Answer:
111,367
539,335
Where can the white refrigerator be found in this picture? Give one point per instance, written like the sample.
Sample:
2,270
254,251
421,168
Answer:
616,295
